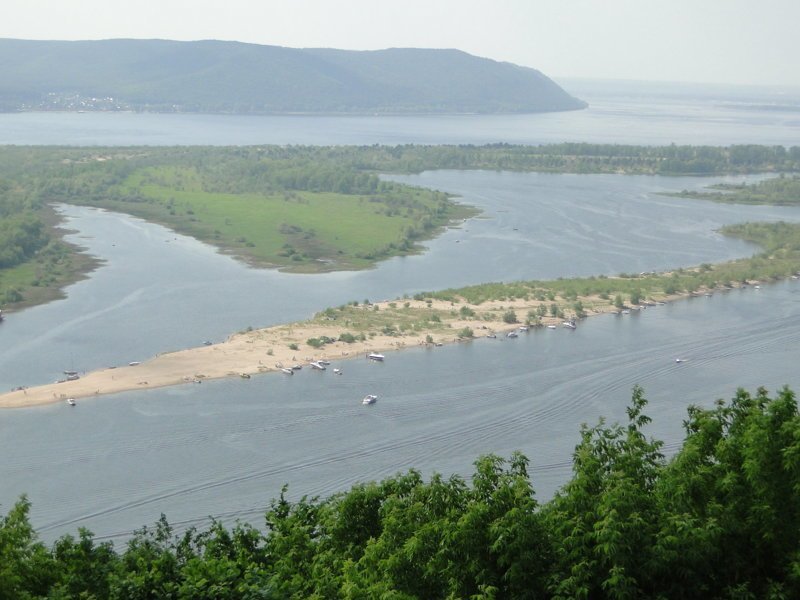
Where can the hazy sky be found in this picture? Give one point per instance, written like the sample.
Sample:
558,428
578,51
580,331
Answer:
715,41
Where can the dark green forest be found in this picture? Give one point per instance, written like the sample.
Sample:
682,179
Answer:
718,519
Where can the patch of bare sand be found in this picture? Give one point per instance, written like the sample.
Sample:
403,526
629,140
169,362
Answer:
265,350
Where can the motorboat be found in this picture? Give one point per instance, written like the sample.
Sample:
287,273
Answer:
375,356
244,375
287,371
134,363
324,363
512,334
491,335
551,326
71,401
296,367
680,360
369,399
523,328
317,365
73,377
569,324
337,371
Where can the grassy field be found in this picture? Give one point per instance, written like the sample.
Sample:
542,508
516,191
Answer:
296,230
43,278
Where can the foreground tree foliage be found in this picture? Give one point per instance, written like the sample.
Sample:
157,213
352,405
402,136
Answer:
720,519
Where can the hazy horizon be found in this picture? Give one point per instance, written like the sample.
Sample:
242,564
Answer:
714,42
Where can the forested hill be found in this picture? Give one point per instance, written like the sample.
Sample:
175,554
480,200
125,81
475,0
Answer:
232,77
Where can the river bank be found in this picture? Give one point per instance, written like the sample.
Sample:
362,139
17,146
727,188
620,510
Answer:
418,323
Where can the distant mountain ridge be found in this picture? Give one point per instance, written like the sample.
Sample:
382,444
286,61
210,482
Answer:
234,77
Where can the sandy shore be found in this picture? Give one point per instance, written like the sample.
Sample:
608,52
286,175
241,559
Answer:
267,350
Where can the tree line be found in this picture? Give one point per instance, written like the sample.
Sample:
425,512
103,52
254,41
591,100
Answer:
719,519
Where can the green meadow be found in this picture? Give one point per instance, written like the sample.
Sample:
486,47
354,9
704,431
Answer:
297,230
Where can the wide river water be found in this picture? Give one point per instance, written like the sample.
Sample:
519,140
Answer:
225,448
628,113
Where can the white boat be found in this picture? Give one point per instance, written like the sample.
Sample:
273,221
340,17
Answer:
324,362
244,375
73,377
71,401
337,371
680,360
523,328
287,371
569,324
296,367
551,326
369,399
317,365
134,363
375,356
512,334
491,335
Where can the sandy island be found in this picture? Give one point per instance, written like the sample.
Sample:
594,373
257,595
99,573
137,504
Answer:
267,350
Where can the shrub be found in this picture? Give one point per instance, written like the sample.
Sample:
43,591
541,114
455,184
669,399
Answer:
510,317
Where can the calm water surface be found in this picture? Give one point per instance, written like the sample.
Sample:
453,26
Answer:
225,448
625,114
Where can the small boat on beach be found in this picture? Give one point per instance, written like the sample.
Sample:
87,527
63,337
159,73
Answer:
375,356
523,328
287,371
134,363
369,399
244,375
296,367
71,401
317,365
569,324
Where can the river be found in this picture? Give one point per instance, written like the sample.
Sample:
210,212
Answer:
225,448
629,113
